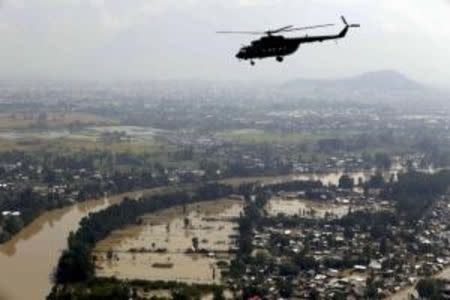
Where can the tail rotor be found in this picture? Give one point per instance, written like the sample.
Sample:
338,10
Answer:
349,25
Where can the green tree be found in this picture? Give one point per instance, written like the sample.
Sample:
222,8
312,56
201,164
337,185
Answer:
13,224
428,288
371,291
195,243
186,222
346,182
382,161
377,181
218,294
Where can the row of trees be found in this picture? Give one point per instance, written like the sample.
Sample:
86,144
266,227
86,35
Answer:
430,288
415,192
252,217
295,185
112,288
375,181
87,160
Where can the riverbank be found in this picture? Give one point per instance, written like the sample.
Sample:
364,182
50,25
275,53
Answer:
31,255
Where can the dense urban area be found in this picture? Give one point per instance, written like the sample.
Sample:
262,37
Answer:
305,190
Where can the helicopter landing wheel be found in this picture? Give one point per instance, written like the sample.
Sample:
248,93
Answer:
279,59
252,63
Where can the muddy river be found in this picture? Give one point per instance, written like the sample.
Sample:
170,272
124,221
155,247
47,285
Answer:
28,260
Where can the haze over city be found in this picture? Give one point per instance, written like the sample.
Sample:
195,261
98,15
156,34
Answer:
168,39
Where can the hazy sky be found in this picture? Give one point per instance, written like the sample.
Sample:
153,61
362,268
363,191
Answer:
153,39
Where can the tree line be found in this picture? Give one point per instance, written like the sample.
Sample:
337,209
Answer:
414,193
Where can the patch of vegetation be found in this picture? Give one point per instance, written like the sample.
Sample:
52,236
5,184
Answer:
111,288
415,192
430,288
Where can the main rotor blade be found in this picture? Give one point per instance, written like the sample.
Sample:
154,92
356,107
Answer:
241,32
279,29
308,27
282,29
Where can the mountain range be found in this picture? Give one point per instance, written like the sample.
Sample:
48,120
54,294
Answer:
381,87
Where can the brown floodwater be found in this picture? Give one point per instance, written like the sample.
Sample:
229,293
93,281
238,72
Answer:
291,207
326,178
213,223
27,261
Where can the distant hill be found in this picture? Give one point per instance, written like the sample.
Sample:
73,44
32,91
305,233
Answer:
383,87
382,81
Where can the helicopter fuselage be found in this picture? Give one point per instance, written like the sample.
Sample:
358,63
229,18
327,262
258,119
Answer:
270,46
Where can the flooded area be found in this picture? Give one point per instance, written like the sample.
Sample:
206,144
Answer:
34,134
32,254
136,133
30,257
303,207
162,247
328,178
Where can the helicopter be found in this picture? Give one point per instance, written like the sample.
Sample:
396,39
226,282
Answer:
278,46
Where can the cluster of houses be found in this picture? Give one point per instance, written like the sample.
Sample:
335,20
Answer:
328,258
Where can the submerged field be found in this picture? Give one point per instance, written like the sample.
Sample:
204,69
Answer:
302,207
162,247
